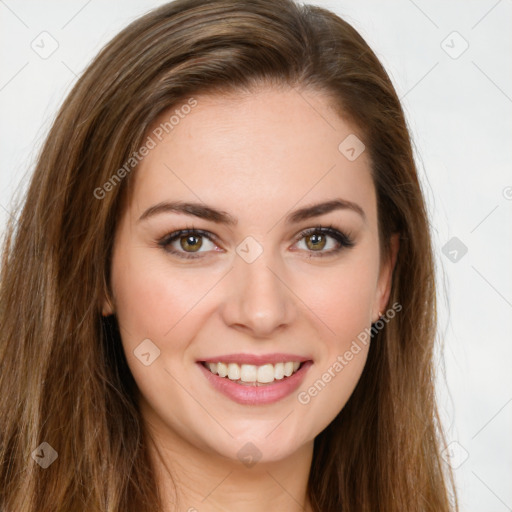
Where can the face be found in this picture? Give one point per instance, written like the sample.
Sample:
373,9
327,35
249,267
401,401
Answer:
260,278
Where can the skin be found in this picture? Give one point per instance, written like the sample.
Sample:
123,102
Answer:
257,156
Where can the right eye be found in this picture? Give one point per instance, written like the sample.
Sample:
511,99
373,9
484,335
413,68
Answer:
189,238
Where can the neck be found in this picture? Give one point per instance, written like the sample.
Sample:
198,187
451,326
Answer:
197,479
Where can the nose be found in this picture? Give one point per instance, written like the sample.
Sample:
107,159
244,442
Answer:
259,301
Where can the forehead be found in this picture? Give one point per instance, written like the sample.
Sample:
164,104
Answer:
260,150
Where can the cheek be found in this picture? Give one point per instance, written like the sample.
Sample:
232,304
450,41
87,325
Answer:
343,305
155,302
342,298
151,298
341,302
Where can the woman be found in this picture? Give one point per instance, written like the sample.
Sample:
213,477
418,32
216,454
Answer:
219,293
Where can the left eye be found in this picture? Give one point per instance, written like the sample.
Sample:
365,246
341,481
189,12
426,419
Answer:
315,239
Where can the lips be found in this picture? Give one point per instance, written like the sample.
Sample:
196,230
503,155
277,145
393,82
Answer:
255,393
256,359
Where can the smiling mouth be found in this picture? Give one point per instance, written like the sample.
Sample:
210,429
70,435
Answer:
253,375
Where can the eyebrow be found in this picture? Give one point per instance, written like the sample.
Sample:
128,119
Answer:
221,217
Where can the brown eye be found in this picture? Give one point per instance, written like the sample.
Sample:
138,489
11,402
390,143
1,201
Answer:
315,241
320,238
193,242
187,243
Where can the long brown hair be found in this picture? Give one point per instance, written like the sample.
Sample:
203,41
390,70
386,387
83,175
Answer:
64,379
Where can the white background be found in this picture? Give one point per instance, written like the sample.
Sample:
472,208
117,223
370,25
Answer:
459,110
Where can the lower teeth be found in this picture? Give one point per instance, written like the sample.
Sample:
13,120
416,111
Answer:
257,384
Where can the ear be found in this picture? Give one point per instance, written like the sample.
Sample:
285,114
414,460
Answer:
107,308
385,277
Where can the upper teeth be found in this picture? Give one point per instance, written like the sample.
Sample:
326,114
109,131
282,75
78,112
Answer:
251,373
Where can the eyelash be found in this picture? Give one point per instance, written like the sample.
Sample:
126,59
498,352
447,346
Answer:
344,240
